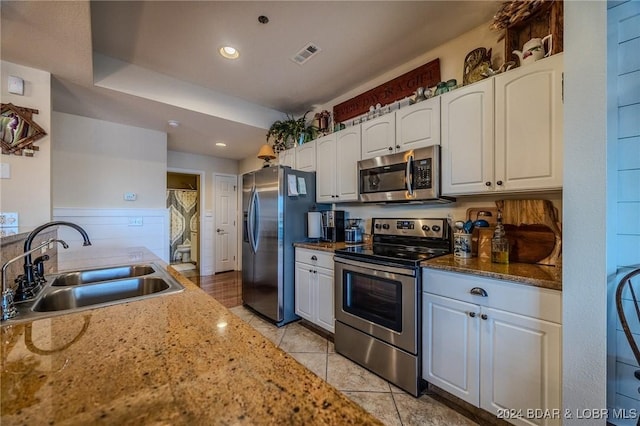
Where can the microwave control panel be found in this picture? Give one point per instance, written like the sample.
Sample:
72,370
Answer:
422,174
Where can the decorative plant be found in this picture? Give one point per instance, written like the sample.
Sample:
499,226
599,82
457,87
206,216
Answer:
285,133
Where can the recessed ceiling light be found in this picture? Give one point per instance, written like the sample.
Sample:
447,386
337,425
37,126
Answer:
229,52
221,144
173,123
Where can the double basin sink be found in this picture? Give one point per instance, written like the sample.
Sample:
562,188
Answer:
74,291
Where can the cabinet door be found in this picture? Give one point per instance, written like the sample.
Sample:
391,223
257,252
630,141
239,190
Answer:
521,364
324,299
450,341
467,139
378,136
306,157
288,158
529,126
418,125
348,153
326,169
304,290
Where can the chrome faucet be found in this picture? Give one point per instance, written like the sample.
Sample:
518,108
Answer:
30,283
7,308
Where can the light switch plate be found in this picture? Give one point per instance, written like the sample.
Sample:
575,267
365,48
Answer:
130,196
15,85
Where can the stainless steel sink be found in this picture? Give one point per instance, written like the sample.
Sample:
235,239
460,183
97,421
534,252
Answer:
104,274
80,290
60,299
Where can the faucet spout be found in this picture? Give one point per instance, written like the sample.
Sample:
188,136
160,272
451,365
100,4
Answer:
31,279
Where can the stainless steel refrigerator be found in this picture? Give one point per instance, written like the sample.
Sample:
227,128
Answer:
275,202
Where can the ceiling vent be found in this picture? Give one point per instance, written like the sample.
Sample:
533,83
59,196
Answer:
305,53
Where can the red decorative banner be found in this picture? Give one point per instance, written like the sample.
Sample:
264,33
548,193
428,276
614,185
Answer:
427,75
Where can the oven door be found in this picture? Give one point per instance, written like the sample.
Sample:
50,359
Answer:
381,301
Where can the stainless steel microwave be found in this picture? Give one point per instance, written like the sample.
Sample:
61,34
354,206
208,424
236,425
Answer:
410,176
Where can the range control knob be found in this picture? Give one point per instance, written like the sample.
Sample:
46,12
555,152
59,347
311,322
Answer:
385,226
377,226
425,227
435,228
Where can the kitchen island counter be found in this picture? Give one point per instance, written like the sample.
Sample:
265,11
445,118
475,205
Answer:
524,273
174,359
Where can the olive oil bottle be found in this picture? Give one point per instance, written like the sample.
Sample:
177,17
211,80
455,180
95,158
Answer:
499,243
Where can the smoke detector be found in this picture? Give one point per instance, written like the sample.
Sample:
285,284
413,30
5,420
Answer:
306,53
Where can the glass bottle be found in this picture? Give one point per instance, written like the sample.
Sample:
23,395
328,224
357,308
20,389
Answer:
499,243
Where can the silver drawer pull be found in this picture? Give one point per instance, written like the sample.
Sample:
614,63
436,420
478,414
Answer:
477,291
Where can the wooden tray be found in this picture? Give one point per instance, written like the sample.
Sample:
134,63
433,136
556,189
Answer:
527,243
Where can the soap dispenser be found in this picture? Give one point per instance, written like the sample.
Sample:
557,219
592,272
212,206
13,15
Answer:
499,243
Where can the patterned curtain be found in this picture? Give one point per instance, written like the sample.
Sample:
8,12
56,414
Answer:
183,216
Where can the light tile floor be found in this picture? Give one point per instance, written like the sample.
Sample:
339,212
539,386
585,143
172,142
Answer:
383,400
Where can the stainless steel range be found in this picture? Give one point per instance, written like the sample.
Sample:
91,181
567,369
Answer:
377,294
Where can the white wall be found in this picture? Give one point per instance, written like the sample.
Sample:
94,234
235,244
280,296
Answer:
451,56
94,163
584,263
209,167
28,191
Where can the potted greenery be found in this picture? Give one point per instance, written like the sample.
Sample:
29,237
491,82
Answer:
285,133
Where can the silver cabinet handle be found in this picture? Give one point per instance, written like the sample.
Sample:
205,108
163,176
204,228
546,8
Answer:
477,291
314,257
484,316
472,314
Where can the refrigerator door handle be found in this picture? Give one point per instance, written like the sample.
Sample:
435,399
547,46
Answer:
251,221
256,212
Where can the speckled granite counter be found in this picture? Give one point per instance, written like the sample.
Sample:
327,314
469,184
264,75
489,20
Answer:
323,246
524,273
175,359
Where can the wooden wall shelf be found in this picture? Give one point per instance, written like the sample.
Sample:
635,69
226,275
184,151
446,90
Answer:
548,20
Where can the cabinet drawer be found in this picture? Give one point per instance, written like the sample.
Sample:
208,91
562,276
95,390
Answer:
509,296
315,257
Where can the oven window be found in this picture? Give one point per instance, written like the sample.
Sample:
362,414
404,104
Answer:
374,299
384,179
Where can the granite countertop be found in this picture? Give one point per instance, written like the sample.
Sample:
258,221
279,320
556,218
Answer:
324,246
175,359
524,273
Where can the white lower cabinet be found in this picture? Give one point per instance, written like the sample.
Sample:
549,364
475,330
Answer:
314,287
501,351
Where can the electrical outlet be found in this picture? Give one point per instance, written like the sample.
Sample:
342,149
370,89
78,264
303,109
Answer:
135,221
130,196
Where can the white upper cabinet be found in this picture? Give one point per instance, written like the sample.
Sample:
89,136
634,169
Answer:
306,157
287,157
418,125
529,126
378,136
337,171
467,139
504,134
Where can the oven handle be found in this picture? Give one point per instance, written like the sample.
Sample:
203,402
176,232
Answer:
370,267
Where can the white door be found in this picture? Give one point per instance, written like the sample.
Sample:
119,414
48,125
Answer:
418,125
347,156
378,136
467,139
528,131
451,342
326,170
324,298
304,290
521,365
225,223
